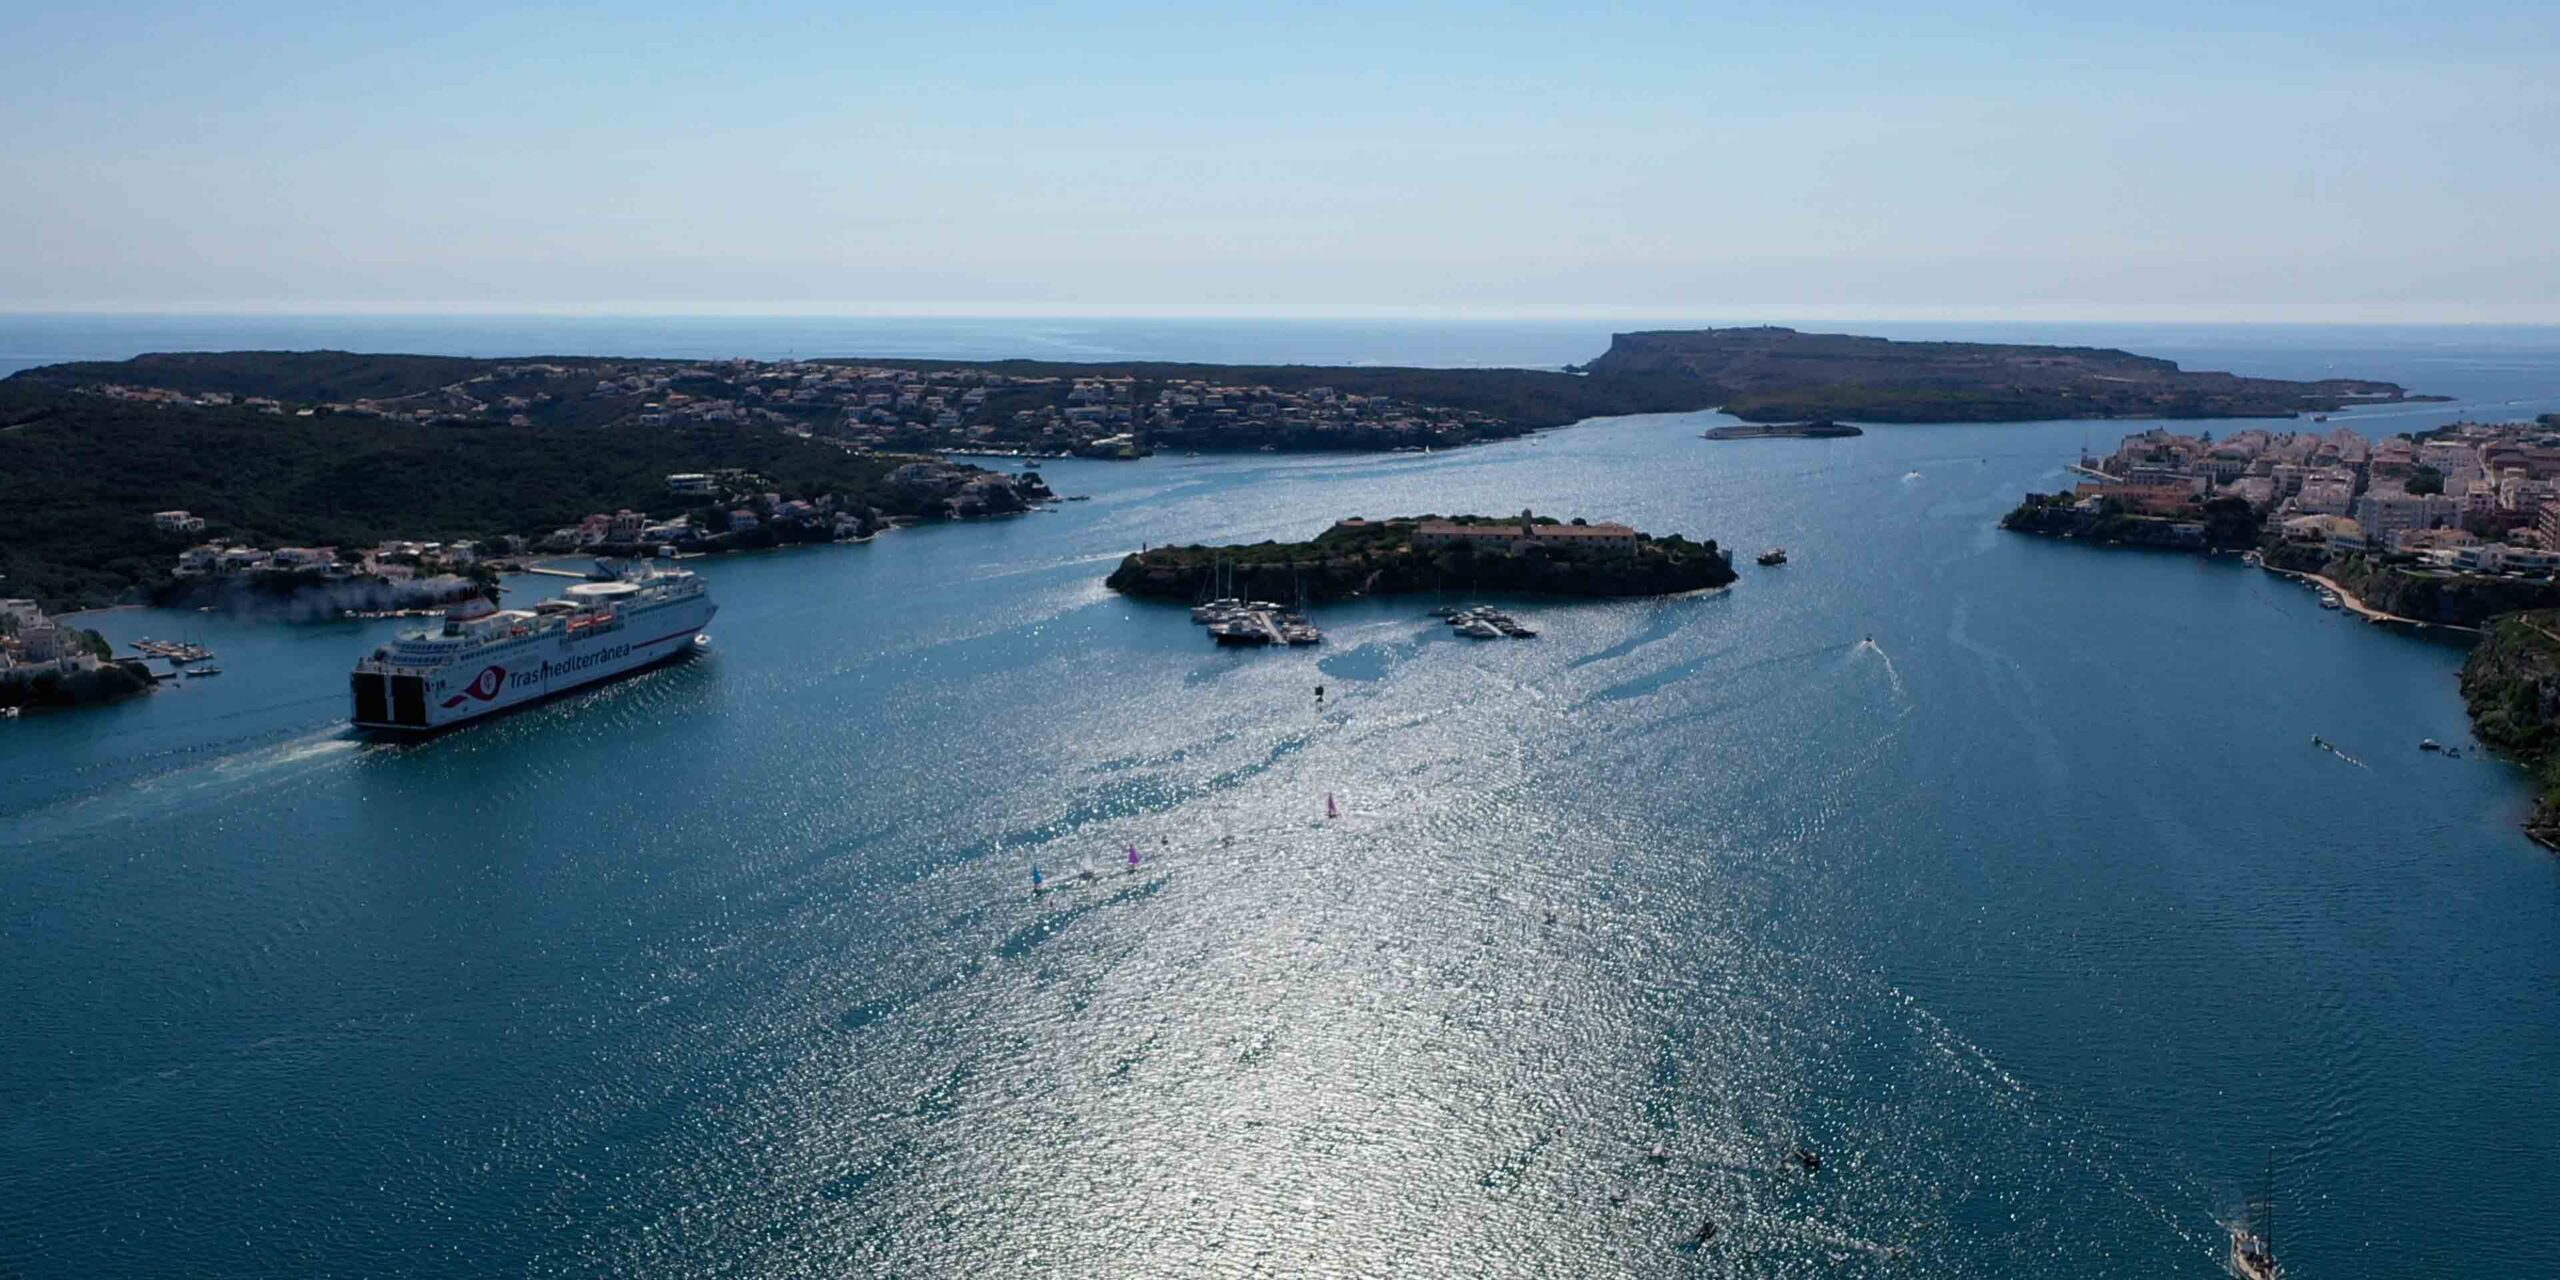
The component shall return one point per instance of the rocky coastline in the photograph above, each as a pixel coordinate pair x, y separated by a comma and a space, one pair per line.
2511, 684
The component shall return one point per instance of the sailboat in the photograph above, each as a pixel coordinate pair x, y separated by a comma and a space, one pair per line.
1036, 881
2253, 1237
1331, 810
1133, 857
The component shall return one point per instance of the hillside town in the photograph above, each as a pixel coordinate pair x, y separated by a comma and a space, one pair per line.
892, 409
2476, 497
704, 512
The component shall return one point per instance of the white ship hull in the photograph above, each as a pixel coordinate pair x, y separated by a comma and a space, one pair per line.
391, 695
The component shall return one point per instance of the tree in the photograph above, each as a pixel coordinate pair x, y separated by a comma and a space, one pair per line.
2426, 480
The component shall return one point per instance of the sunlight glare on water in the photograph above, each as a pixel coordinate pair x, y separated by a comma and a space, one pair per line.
1995, 872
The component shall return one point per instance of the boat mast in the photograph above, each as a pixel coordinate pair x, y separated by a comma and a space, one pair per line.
2269, 1240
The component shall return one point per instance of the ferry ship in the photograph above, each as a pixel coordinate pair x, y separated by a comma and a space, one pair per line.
485, 659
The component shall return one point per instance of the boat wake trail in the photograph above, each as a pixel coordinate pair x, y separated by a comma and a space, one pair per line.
2332, 748
1891, 673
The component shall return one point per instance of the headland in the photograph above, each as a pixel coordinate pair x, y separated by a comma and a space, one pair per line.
1770, 374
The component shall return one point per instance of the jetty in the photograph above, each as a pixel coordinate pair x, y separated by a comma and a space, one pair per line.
171, 650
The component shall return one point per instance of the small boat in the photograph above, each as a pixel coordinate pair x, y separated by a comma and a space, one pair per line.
1036, 881
1774, 555
1812, 1163
1331, 810
204, 671
2429, 744
2253, 1237
1479, 629
8, 713
2453, 753
1133, 857
1659, 1154
1706, 1232
1239, 632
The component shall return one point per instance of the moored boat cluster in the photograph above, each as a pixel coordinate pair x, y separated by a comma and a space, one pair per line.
1255, 622
1484, 622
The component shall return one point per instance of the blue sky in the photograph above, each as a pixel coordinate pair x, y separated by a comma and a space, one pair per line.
2179, 160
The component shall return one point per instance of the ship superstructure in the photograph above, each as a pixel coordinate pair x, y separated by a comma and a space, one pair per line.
485, 659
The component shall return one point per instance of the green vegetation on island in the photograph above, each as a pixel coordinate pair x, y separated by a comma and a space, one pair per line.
1514, 554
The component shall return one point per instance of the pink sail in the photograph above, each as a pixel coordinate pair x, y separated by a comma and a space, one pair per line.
1133, 857
1331, 810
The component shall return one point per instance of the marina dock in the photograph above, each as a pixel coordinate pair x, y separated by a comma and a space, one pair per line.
1255, 623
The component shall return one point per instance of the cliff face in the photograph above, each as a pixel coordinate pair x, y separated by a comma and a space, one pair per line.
2511, 683
2456, 599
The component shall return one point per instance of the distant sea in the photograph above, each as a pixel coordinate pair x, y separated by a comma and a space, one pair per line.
2419, 356
2001, 872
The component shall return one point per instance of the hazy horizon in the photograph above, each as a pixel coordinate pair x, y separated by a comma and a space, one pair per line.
2190, 162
